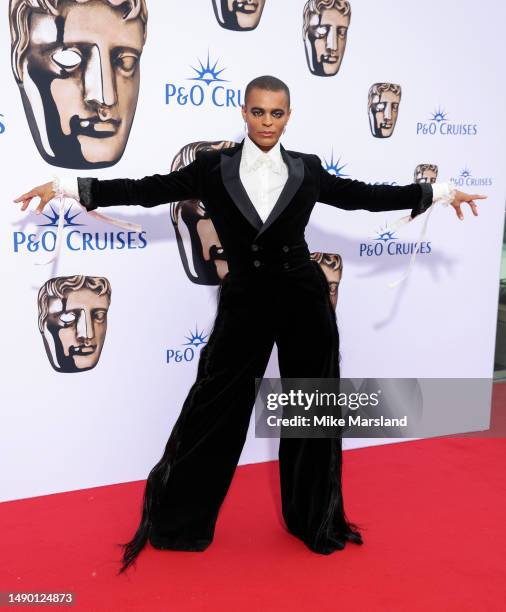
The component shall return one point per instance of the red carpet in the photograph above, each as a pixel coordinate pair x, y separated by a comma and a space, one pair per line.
433, 516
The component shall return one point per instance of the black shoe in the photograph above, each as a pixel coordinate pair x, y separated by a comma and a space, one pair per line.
165, 544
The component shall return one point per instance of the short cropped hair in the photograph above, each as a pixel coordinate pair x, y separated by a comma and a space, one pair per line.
268, 83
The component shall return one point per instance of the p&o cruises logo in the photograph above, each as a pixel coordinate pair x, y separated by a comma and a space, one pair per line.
466, 179
209, 87
75, 239
387, 243
195, 340
439, 123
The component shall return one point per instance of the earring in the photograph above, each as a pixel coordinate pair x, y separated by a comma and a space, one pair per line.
245, 127
284, 129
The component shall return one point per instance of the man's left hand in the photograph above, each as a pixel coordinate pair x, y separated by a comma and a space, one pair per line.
461, 197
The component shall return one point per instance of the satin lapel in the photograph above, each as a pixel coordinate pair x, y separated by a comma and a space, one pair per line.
231, 179
295, 167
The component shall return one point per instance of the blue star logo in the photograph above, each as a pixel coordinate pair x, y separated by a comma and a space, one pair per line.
208, 74
439, 115
333, 167
196, 338
54, 218
384, 235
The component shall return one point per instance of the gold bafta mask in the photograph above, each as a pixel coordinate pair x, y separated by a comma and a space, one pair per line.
73, 320
426, 173
200, 249
325, 31
77, 65
238, 15
332, 266
383, 108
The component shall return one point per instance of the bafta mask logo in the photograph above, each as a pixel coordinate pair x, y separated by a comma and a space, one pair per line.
200, 249
324, 31
77, 65
332, 266
426, 173
238, 15
73, 320
383, 108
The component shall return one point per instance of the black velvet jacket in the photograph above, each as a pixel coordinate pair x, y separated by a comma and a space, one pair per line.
247, 241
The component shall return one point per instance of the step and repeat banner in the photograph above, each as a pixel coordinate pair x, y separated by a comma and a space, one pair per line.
101, 340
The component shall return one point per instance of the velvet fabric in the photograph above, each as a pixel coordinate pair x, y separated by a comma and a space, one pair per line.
273, 293
186, 488
214, 179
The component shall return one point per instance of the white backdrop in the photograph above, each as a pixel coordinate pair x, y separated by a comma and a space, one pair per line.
107, 425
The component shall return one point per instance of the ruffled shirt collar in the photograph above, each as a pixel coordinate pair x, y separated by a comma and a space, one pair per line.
253, 157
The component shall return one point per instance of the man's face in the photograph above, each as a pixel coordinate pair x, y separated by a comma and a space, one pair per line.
326, 39
427, 175
74, 330
266, 114
383, 113
239, 14
81, 81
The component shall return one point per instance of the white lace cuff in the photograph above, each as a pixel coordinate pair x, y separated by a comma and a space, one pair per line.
66, 187
444, 192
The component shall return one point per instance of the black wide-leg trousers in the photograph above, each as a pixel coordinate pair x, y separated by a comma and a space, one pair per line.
186, 488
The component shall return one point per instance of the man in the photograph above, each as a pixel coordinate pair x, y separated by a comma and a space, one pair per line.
260, 198
383, 108
324, 31
73, 320
77, 67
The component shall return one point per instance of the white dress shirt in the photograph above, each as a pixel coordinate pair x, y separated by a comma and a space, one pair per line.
263, 175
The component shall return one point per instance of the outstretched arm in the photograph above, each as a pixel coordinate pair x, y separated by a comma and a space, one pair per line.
351, 194
184, 184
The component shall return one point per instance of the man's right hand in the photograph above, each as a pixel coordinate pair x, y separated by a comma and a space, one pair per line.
44, 192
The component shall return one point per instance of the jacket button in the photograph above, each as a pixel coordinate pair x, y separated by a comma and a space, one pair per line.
286, 265
254, 247
257, 263
285, 249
